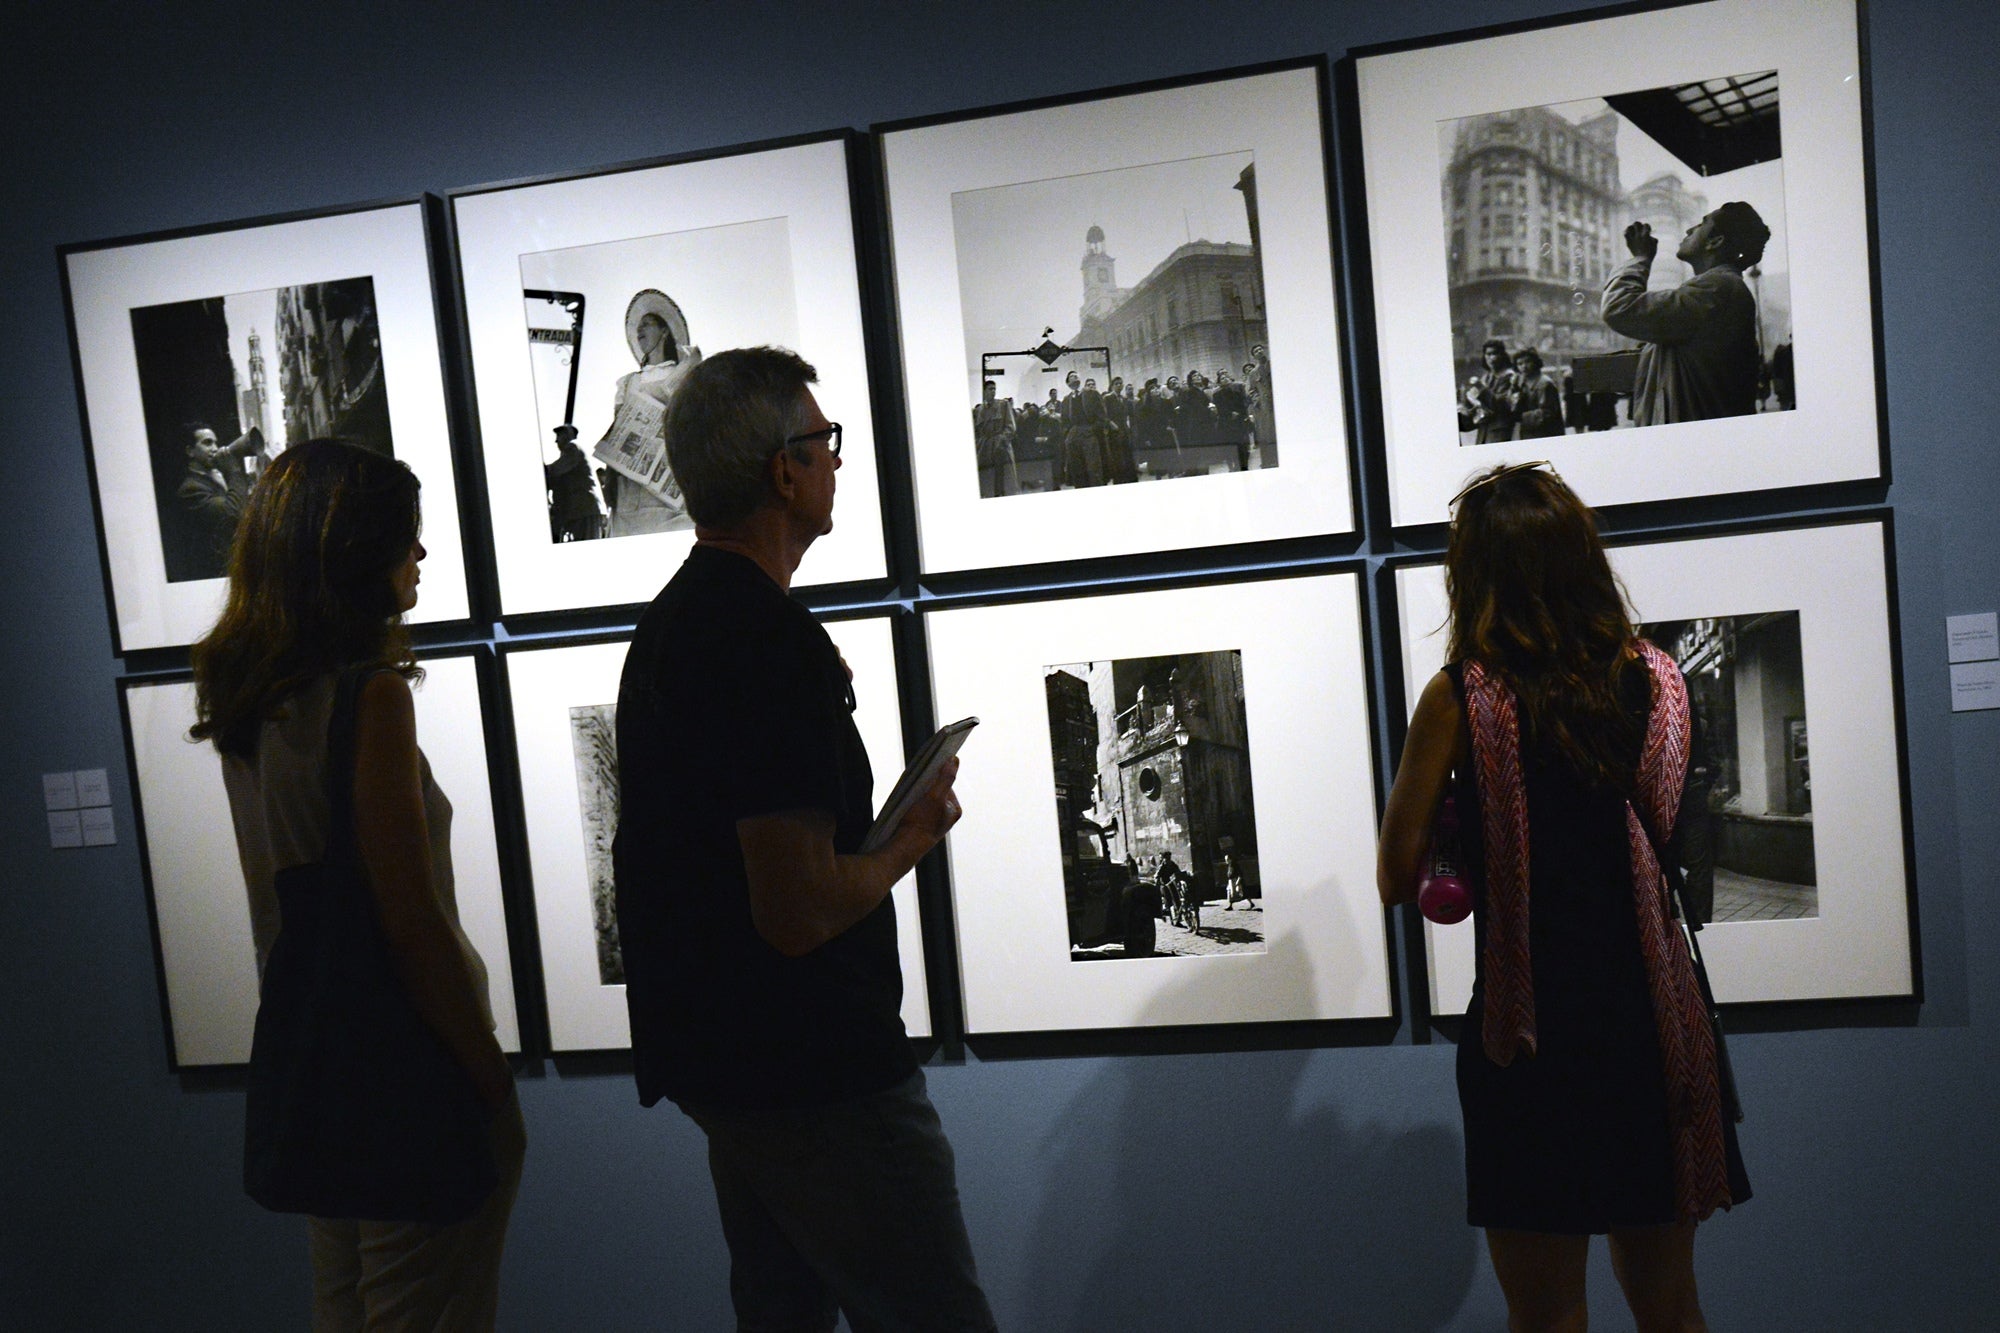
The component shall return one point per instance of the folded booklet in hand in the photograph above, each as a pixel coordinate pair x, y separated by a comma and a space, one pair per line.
917, 779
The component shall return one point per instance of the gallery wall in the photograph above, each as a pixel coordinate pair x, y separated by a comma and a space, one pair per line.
1232, 1181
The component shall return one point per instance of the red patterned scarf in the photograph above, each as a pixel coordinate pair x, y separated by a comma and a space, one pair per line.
1687, 1046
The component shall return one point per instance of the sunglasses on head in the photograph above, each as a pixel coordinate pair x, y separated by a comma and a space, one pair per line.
1498, 473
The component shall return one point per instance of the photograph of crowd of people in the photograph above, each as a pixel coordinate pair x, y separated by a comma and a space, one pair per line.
609, 341
1076, 381
217, 411
1158, 828
594, 740
1567, 317
1748, 853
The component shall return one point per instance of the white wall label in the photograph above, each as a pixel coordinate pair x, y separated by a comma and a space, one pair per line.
65, 828
1974, 686
1974, 638
93, 787
97, 827
59, 791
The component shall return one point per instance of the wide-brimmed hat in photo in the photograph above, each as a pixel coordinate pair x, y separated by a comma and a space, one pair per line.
653, 301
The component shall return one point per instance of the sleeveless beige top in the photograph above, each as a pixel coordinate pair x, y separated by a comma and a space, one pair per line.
279, 806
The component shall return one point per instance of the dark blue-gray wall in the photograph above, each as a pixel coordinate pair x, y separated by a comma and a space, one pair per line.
1290, 1189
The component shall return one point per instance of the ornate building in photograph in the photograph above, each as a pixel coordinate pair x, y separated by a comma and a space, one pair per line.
1200, 308
253, 401
1173, 760
1534, 215
330, 363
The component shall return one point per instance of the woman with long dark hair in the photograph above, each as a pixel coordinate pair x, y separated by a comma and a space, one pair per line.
323, 566
1586, 1069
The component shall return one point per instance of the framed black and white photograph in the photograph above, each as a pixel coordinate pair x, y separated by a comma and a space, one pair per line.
200, 908
1784, 636
565, 701
1653, 223
1112, 292
202, 356
1174, 788
589, 298
1150, 760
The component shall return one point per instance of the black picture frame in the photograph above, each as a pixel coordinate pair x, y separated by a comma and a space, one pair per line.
1324, 961
196, 903
744, 245
1530, 231
1859, 941
567, 870
348, 297
951, 187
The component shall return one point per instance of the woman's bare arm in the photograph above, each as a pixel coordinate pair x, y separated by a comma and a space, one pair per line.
393, 837
1437, 739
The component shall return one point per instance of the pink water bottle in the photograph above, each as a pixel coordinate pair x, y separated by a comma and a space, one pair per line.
1442, 895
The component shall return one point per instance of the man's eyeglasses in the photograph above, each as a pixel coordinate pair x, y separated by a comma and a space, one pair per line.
830, 433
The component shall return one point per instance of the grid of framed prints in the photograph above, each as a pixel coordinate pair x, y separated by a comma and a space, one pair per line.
1786, 637
1116, 318
201, 355
1171, 808
1503, 175
564, 700
1211, 363
588, 298
200, 908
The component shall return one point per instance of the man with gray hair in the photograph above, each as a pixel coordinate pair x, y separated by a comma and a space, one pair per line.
761, 967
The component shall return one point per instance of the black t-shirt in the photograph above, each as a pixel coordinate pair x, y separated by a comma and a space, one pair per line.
734, 703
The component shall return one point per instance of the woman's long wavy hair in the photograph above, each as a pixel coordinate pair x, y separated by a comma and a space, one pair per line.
310, 586
1534, 599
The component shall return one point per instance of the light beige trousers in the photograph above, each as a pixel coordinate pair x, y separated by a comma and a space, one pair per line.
415, 1277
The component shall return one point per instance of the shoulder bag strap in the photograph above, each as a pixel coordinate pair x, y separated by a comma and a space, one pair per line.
341, 726
1670, 869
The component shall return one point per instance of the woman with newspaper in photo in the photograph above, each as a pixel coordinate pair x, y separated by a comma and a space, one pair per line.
639, 487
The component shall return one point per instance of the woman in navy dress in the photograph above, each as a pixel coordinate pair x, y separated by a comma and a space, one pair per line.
1586, 1068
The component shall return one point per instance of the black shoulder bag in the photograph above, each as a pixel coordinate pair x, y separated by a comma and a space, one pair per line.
356, 1108
1670, 867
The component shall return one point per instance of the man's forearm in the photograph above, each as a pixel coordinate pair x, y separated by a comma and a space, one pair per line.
803, 893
